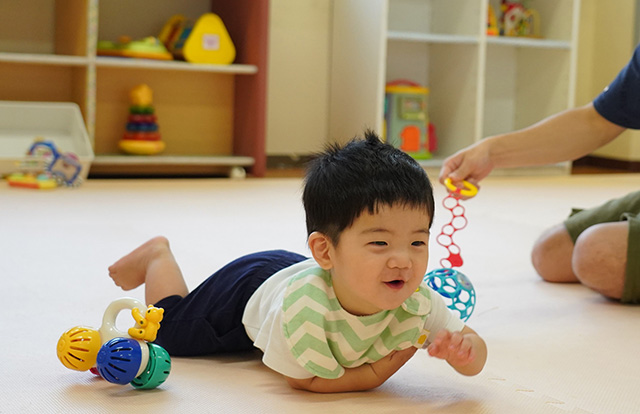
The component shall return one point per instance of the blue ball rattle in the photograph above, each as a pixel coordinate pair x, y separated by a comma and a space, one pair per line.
456, 289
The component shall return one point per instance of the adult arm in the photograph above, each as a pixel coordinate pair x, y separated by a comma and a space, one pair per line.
565, 136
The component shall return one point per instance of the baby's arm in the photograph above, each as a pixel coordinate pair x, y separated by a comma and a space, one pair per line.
465, 351
362, 378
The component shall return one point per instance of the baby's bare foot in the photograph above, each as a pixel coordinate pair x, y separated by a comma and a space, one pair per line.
130, 271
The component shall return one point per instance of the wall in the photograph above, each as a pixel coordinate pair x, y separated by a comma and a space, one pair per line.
299, 76
607, 39
326, 72
300, 50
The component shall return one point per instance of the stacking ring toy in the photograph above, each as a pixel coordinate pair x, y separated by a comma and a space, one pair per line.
469, 190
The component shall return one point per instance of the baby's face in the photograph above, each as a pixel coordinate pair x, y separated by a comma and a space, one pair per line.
381, 259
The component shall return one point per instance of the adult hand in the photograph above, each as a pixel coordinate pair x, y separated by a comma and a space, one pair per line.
471, 164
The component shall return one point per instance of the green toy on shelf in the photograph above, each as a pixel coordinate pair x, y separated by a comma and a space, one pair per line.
147, 48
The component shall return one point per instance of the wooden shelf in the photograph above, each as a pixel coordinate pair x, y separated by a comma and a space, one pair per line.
44, 59
149, 64
117, 164
219, 160
202, 109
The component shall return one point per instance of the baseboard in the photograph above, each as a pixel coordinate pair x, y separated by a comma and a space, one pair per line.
607, 163
288, 161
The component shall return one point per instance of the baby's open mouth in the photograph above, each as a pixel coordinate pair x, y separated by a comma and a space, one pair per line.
395, 284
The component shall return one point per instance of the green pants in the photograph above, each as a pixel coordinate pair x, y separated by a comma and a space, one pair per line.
623, 208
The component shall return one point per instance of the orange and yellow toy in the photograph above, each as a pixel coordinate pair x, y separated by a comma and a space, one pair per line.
141, 136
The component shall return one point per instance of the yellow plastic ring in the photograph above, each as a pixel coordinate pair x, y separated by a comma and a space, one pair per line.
469, 190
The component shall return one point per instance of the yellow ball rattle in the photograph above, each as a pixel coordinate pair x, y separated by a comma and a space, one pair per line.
78, 347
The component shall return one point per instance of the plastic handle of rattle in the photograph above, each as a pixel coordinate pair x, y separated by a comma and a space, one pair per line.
469, 190
144, 357
108, 329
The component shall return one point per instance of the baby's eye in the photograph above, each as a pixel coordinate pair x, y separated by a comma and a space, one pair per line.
418, 243
379, 243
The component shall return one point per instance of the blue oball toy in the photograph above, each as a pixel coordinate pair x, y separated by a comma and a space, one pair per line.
456, 289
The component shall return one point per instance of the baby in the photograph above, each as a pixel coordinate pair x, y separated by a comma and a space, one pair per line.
345, 319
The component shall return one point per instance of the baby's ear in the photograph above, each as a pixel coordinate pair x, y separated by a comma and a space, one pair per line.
320, 245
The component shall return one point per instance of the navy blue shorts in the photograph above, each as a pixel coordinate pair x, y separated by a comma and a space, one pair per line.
209, 319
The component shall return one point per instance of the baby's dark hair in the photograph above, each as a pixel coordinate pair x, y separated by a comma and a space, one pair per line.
344, 181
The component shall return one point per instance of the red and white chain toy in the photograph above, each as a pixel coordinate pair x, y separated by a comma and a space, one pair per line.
458, 222
452, 285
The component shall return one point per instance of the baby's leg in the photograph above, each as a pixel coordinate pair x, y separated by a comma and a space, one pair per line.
154, 265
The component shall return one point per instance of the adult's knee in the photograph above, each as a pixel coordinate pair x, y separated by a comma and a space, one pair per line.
600, 258
551, 255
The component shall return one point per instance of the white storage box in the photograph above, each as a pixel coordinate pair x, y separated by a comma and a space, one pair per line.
59, 122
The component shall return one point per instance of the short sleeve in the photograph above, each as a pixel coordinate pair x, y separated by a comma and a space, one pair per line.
441, 318
620, 101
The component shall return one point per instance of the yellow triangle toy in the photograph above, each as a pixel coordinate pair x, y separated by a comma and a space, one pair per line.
209, 42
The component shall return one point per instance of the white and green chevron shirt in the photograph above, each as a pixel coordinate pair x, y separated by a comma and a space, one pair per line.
297, 321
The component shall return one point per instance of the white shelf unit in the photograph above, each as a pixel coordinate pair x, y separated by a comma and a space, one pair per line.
479, 85
210, 116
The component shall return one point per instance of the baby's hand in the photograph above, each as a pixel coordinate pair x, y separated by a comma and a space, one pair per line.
454, 347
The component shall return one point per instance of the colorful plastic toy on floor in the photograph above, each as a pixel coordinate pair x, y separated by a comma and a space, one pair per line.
114, 355
141, 136
453, 285
41, 181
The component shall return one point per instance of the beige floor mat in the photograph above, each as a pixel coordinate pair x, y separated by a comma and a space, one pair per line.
552, 348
